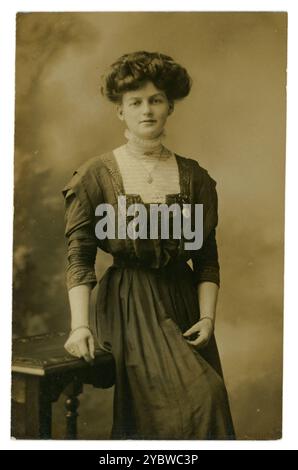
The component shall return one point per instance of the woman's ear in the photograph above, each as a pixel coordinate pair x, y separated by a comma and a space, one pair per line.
120, 112
171, 107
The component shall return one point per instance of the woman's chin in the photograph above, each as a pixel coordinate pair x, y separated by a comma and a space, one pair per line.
148, 135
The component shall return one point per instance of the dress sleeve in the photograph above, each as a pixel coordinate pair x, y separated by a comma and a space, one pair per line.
79, 231
205, 260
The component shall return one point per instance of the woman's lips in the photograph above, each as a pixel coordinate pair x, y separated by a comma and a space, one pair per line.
149, 121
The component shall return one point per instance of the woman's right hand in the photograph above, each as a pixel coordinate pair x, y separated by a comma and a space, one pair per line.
80, 343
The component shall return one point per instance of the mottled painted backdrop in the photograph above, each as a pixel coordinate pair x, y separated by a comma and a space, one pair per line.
233, 123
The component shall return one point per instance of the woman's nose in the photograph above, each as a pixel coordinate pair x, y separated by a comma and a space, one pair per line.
147, 108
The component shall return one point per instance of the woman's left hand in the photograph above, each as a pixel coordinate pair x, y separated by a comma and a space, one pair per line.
200, 333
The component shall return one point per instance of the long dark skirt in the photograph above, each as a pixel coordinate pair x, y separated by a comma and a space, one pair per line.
164, 387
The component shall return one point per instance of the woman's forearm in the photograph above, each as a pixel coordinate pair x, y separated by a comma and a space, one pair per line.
207, 294
79, 298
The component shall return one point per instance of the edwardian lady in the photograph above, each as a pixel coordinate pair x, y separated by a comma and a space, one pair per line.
150, 309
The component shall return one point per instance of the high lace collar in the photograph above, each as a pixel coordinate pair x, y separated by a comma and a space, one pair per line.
139, 147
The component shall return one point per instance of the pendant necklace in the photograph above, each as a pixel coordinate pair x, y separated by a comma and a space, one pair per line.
149, 177
140, 148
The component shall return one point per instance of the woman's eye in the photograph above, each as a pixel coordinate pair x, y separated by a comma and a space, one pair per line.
134, 103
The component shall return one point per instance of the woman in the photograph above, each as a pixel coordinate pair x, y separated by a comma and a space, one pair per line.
152, 311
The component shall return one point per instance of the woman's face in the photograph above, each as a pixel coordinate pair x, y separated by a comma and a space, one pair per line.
145, 111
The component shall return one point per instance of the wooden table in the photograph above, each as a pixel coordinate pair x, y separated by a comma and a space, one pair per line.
41, 371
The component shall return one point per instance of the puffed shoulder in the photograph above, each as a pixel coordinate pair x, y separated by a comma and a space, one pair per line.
85, 184
200, 174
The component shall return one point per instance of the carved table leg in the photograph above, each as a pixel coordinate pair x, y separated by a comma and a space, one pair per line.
71, 404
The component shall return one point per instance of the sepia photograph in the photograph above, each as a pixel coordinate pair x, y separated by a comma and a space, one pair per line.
149, 208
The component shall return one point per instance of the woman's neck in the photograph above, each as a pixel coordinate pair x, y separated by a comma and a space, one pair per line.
141, 146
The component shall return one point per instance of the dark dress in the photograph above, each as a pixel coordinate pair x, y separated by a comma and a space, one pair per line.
164, 387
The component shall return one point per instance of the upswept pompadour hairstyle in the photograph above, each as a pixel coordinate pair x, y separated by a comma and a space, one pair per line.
132, 70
